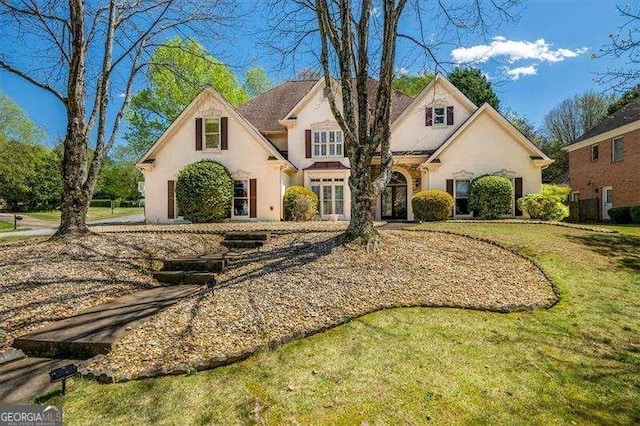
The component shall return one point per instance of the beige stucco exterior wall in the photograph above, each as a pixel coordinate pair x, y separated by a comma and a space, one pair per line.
246, 158
485, 147
315, 114
410, 133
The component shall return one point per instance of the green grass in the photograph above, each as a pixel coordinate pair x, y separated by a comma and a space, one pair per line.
94, 213
578, 362
623, 229
4, 225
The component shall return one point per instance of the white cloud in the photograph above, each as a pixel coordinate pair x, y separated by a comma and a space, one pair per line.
402, 71
538, 50
516, 73
121, 95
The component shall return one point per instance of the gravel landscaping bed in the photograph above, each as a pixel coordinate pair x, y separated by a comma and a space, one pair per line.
304, 283
222, 227
47, 281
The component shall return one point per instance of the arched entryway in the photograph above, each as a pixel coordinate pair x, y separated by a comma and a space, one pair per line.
394, 198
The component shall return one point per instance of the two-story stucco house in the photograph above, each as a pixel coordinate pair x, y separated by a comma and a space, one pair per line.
288, 136
604, 163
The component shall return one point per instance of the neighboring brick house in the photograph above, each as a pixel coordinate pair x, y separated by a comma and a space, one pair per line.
604, 163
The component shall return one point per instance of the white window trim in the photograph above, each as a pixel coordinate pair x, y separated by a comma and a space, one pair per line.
444, 116
204, 134
613, 149
333, 182
455, 196
248, 198
328, 144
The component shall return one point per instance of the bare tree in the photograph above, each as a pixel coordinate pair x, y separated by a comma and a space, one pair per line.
357, 40
87, 55
623, 45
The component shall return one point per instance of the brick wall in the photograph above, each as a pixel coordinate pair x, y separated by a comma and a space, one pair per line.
588, 177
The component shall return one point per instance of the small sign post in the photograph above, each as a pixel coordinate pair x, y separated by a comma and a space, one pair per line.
62, 374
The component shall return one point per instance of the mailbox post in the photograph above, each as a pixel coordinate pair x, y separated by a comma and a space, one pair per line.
16, 219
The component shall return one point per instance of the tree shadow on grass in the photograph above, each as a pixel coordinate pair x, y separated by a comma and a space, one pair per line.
624, 249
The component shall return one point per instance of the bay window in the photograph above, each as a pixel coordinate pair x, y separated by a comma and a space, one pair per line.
330, 193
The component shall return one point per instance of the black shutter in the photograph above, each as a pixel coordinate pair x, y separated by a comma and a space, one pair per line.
428, 119
518, 193
198, 134
450, 186
253, 205
171, 203
224, 133
307, 143
449, 116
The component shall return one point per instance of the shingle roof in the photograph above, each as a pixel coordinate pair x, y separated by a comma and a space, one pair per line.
326, 165
265, 110
625, 115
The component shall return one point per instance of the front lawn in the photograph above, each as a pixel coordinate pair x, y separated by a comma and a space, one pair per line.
578, 362
94, 213
4, 225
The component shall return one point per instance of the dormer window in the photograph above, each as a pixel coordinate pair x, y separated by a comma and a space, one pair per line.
439, 116
211, 133
327, 143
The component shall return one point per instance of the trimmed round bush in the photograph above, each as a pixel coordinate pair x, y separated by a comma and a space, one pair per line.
635, 214
490, 196
432, 205
620, 215
300, 204
543, 207
204, 191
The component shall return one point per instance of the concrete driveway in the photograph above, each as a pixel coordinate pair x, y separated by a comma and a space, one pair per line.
43, 227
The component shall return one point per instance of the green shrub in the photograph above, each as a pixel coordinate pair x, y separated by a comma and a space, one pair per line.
559, 192
620, 215
104, 203
204, 191
129, 203
635, 214
300, 204
490, 196
543, 207
432, 205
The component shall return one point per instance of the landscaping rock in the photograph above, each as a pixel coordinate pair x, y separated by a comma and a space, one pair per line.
305, 283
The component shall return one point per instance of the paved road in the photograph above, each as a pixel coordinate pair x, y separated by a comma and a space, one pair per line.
49, 230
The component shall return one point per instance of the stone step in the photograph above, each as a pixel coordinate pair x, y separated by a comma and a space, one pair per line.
247, 236
201, 264
242, 244
183, 277
93, 332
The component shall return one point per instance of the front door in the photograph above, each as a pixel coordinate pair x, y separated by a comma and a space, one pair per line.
607, 201
394, 198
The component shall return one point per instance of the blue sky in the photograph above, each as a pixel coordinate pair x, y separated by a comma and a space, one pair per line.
547, 72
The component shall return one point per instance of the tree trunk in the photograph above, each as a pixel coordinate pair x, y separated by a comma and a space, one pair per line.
363, 200
75, 199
